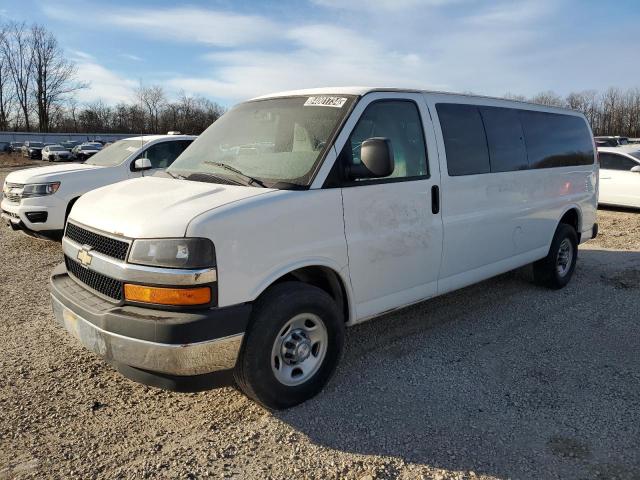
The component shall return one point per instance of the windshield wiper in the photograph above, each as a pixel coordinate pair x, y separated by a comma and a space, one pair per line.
250, 180
177, 175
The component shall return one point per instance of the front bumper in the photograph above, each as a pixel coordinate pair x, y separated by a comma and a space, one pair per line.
15, 214
176, 343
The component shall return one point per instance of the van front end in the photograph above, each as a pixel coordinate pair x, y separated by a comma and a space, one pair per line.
148, 307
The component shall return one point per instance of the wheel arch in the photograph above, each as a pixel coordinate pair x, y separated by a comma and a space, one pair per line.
319, 274
572, 216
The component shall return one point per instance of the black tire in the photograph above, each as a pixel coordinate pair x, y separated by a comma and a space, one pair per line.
254, 374
546, 272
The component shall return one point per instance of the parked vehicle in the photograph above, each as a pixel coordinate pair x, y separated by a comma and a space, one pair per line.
5, 147
611, 141
38, 200
620, 176
86, 150
297, 214
32, 150
16, 146
70, 144
55, 153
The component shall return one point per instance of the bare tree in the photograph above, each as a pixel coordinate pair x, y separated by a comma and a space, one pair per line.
7, 95
549, 98
17, 50
53, 75
152, 99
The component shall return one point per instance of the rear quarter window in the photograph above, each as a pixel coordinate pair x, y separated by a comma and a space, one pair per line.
556, 140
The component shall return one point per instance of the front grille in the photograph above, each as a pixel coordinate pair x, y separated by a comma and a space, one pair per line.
11, 214
100, 243
107, 286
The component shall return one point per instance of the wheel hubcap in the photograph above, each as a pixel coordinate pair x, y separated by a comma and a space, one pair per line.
299, 349
565, 257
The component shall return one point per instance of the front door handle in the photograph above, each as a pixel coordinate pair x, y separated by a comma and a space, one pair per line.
435, 199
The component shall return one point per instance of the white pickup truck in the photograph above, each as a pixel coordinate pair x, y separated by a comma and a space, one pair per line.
300, 213
38, 200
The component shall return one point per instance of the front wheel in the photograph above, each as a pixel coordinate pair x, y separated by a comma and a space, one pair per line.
292, 345
556, 269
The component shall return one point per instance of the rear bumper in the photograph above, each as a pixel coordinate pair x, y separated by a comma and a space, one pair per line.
170, 343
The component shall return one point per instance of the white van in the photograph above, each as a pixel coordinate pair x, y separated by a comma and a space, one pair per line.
38, 200
297, 214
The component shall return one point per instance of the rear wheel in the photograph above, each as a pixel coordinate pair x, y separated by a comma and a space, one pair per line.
556, 269
292, 345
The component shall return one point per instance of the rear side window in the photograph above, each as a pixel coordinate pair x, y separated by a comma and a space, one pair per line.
464, 139
611, 161
507, 151
555, 140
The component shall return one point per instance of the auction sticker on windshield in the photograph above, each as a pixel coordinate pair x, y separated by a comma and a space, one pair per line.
336, 102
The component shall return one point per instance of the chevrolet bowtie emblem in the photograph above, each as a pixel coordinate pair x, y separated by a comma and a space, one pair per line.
85, 256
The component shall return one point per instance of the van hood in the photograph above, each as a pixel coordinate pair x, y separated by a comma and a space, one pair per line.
51, 173
154, 207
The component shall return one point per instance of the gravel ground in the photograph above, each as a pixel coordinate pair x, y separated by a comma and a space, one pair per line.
499, 380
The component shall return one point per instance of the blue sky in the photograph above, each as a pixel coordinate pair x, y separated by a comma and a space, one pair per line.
232, 50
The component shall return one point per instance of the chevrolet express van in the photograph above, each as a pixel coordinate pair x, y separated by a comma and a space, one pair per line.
297, 214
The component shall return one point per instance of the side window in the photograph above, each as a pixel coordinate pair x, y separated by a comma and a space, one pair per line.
464, 137
555, 140
611, 161
399, 121
505, 138
163, 154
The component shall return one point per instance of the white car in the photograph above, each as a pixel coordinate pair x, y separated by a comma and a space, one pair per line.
620, 176
38, 200
55, 153
298, 214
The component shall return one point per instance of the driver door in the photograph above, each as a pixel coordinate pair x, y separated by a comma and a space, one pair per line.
393, 225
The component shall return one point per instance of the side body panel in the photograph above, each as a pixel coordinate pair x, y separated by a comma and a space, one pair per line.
619, 187
495, 222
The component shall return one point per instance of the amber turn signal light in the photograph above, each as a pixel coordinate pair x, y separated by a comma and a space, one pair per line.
167, 296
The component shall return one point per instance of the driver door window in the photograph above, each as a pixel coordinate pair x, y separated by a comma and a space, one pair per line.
163, 154
399, 121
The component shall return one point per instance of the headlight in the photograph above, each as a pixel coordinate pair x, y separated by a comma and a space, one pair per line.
174, 253
40, 189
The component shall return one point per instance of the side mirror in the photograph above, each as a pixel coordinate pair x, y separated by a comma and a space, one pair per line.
141, 164
636, 169
376, 156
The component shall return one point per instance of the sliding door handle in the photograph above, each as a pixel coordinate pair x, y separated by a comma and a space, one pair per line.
435, 199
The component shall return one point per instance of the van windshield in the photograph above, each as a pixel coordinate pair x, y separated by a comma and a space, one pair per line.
278, 140
114, 154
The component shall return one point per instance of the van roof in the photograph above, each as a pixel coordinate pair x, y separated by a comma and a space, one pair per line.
360, 91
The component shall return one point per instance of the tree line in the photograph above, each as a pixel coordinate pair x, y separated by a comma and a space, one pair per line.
39, 83
39, 86
612, 112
